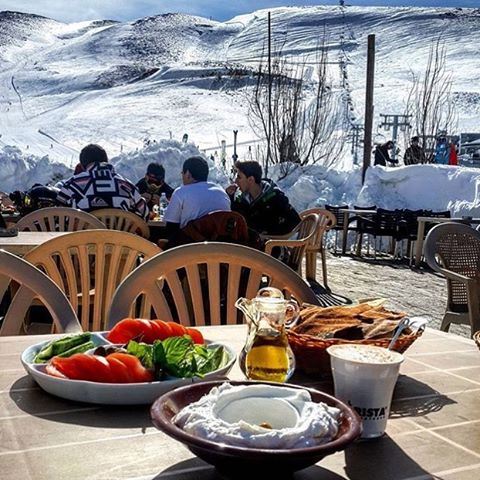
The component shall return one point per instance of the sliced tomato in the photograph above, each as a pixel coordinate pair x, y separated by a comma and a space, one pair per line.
129, 329
120, 372
196, 335
178, 330
83, 367
138, 373
163, 328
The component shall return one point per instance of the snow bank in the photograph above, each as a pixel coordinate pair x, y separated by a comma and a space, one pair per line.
20, 171
434, 187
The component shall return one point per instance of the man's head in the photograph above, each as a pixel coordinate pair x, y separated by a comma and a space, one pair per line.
195, 169
155, 174
414, 140
248, 174
390, 145
92, 154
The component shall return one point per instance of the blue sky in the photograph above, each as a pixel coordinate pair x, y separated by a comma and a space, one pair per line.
77, 10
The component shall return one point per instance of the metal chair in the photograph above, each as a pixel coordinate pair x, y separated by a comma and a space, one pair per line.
58, 219
88, 266
118, 219
453, 249
326, 221
198, 284
32, 279
340, 221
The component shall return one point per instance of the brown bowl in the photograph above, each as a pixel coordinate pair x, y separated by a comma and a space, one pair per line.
229, 458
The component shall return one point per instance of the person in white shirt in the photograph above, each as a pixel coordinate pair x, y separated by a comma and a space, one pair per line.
195, 198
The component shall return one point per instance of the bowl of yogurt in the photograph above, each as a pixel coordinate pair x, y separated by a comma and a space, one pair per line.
267, 426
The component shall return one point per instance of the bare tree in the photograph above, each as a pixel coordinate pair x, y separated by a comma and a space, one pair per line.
430, 101
305, 112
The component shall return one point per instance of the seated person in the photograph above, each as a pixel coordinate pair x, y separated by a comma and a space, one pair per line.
99, 186
153, 185
195, 198
265, 207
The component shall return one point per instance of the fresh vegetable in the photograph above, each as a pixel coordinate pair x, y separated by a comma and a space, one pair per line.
148, 331
178, 356
65, 346
114, 368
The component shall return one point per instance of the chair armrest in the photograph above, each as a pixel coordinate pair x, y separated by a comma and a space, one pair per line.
455, 276
270, 244
267, 237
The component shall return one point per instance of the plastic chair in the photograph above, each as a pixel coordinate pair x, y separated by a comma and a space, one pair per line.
296, 242
58, 219
198, 284
326, 221
88, 266
33, 280
453, 249
118, 219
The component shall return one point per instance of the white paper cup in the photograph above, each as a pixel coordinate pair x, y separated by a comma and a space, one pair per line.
364, 377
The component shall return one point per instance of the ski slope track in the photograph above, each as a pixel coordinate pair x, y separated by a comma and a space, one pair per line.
123, 84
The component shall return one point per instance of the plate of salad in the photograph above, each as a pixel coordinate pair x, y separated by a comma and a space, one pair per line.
134, 363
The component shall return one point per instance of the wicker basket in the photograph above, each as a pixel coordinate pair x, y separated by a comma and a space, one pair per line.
476, 337
311, 353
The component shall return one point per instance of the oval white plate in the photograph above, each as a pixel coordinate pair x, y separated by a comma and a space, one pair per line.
112, 393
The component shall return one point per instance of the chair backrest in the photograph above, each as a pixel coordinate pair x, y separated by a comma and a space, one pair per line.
31, 278
88, 266
340, 216
218, 226
326, 220
454, 247
118, 219
199, 283
304, 233
58, 219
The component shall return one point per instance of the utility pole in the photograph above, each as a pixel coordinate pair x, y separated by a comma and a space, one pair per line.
395, 121
367, 138
269, 152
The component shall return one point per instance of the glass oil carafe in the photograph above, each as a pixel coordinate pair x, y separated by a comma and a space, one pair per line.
266, 354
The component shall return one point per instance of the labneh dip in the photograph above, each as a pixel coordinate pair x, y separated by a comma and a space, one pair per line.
260, 416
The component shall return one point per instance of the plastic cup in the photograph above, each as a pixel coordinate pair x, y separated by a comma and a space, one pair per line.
364, 377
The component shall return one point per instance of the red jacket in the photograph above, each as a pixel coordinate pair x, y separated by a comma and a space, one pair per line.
452, 156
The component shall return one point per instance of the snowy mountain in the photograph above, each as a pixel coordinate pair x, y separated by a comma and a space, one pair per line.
119, 84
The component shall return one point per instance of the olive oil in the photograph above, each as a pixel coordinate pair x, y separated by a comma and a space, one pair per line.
267, 358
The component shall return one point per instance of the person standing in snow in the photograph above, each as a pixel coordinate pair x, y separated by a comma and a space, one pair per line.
152, 185
442, 151
265, 207
99, 186
382, 154
414, 154
452, 156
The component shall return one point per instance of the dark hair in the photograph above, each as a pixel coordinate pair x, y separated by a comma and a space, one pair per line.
93, 154
198, 168
156, 170
389, 144
415, 139
250, 169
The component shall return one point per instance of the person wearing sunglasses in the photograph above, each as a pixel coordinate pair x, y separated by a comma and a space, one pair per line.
152, 185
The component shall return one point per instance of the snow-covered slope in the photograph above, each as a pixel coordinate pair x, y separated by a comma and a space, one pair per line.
118, 84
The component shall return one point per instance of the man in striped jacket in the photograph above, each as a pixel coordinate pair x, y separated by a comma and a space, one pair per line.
99, 186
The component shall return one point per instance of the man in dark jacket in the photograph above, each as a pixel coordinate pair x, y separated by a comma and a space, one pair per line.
152, 185
265, 207
382, 154
414, 153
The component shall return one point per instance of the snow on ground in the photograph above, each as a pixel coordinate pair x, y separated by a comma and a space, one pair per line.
121, 84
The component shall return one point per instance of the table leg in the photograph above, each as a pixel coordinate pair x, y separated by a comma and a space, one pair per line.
419, 243
345, 232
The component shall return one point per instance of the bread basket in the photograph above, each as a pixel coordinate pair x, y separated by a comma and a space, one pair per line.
311, 351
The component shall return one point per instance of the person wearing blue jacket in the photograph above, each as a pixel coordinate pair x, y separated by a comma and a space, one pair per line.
442, 151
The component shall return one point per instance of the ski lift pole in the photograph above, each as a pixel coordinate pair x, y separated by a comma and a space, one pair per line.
235, 156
